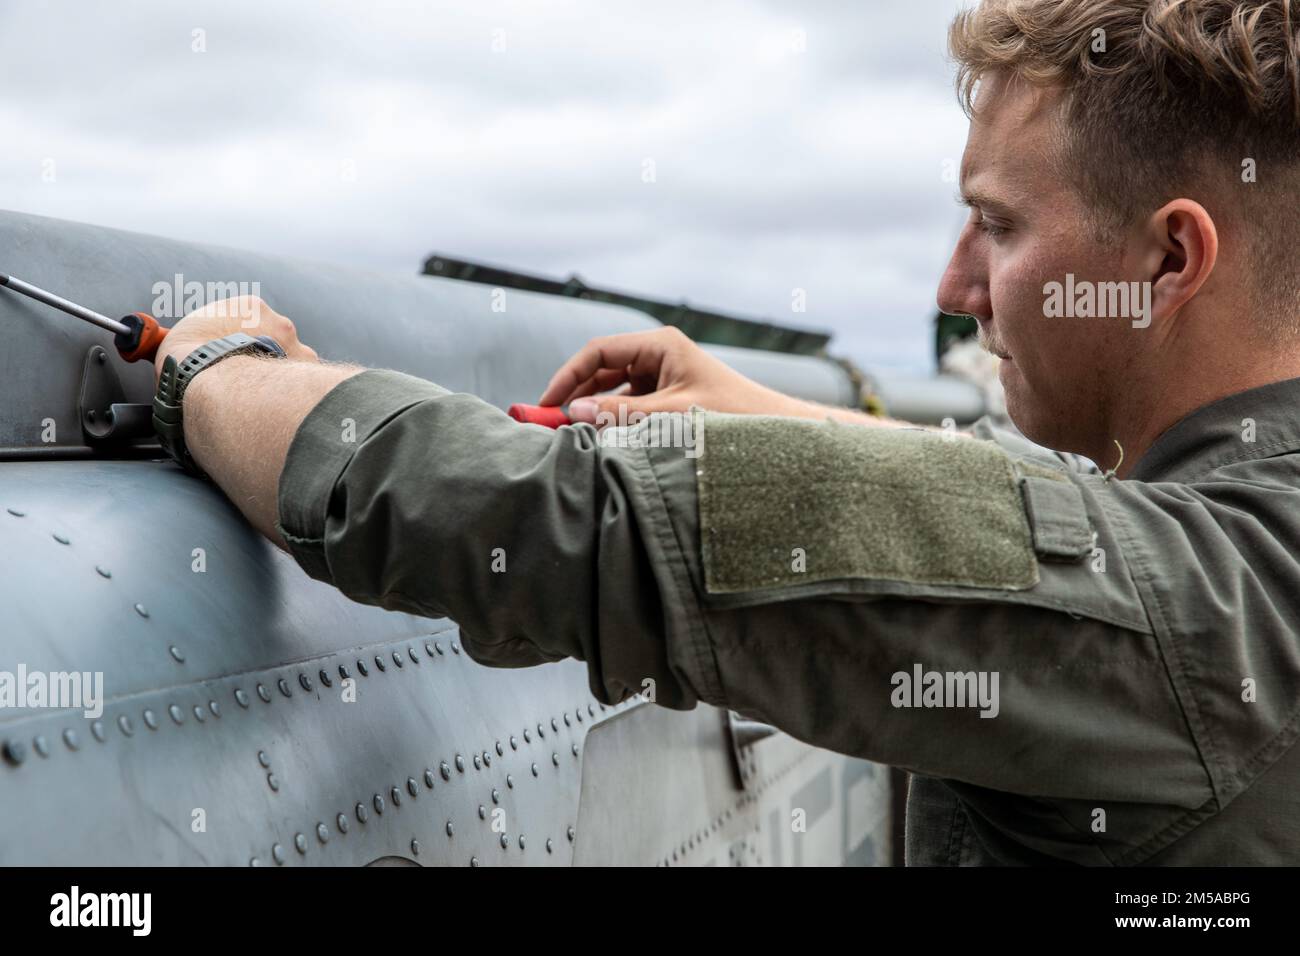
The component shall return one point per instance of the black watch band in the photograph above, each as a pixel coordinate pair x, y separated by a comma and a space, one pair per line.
168, 420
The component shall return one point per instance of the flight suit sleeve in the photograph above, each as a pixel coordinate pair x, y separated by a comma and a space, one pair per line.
934, 603
540, 544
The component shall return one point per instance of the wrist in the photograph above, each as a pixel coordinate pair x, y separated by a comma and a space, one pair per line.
220, 375
788, 406
175, 379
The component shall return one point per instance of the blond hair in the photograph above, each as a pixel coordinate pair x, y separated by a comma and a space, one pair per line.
1165, 98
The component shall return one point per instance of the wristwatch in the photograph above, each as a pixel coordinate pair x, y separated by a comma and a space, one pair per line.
168, 420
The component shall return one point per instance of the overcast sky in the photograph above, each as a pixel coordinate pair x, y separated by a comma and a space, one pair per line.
791, 145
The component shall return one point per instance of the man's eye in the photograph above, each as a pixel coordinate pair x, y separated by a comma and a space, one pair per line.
978, 220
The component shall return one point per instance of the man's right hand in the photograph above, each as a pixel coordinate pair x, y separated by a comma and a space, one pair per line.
659, 371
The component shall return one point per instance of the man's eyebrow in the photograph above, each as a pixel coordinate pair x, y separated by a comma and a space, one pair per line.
984, 201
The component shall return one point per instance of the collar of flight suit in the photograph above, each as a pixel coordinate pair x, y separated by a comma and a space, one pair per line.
1258, 423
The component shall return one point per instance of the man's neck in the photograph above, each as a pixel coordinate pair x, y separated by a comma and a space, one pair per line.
1147, 413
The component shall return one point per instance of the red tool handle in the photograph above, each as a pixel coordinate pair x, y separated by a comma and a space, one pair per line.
141, 340
552, 416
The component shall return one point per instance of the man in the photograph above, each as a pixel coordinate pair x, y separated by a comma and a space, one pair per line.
1080, 666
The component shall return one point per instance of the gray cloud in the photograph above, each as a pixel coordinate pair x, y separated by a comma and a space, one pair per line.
794, 146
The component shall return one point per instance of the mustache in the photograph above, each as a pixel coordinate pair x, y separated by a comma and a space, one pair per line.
991, 343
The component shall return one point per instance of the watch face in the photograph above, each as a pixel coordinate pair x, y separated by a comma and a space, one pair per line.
272, 346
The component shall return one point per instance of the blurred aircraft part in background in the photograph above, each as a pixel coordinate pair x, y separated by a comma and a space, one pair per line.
703, 326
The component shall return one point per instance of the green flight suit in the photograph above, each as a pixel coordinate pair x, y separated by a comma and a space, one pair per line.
1143, 633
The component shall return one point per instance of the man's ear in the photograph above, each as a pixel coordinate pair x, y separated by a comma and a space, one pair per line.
1184, 246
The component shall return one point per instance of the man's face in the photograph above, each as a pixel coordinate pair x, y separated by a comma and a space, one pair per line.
1028, 228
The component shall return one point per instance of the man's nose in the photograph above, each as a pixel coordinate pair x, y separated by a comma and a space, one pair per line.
964, 288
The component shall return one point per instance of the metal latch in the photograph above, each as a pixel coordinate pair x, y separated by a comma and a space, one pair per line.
745, 733
106, 417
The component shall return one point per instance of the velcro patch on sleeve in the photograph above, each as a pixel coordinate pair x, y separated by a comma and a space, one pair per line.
785, 502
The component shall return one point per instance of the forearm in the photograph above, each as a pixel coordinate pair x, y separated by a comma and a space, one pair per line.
849, 416
241, 416
789, 407
758, 399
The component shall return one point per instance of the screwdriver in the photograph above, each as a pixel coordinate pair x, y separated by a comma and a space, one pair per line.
137, 336
552, 416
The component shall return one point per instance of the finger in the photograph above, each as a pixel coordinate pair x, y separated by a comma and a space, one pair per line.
617, 409
602, 381
633, 351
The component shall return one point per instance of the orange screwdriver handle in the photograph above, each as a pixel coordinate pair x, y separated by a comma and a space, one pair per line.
141, 340
552, 416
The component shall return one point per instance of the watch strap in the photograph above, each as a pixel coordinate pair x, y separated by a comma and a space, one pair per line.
167, 418
210, 353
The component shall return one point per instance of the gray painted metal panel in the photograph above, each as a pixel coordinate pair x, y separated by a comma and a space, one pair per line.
225, 699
